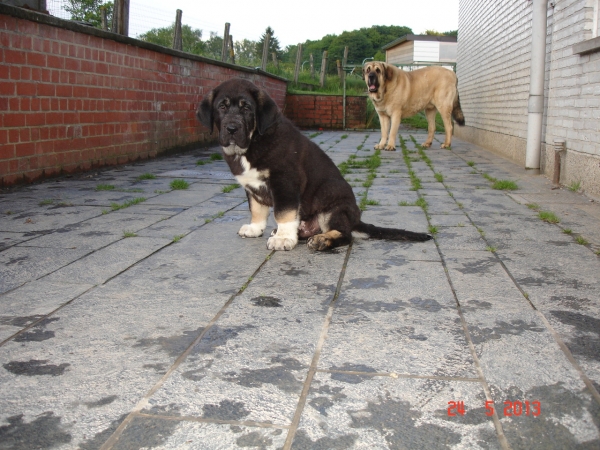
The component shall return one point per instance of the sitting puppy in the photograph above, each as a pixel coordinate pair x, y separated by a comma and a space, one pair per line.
280, 167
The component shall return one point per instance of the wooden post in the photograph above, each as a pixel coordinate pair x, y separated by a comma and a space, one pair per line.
120, 24
344, 62
231, 50
338, 63
323, 68
177, 40
104, 13
298, 63
224, 52
312, 66
265, 54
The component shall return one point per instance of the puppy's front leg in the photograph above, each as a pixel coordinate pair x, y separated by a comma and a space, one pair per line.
260, 214
286, 236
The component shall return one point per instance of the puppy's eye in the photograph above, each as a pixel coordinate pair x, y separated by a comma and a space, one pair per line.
222, 106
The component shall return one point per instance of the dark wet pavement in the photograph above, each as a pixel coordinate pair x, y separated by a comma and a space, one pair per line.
155, 326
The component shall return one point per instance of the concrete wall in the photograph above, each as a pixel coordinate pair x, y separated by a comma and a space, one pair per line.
74, 97
493, 66
325, 111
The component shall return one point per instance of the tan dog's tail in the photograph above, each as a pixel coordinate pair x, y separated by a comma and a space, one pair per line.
457, 113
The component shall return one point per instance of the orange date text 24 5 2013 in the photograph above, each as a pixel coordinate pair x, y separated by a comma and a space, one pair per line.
514, 408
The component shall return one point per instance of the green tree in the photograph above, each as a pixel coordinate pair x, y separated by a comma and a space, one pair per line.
213, 46
89, 11
273, 43
191, 38
245, 53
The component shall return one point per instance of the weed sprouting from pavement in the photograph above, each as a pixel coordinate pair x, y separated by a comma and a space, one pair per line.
179, 184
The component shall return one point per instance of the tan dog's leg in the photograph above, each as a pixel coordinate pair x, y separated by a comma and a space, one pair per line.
384, 120
430, 114
391, 144
446, 114
260, 214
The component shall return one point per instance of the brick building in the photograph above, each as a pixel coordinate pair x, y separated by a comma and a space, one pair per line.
493, 68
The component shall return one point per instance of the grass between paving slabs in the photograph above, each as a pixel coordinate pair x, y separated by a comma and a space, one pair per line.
179, 184
230, 187
415, 181
214, 216
146, 176
548, 216
371, 163
127, 204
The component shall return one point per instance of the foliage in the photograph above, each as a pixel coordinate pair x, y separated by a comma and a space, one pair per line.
191, 38
89, 11
273, 44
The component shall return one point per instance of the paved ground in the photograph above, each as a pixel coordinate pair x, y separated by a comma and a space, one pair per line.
186, 336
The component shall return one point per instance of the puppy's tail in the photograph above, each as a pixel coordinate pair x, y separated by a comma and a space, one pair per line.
366, 230
457, 113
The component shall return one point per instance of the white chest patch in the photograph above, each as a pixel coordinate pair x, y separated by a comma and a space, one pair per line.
251, 177
234, 150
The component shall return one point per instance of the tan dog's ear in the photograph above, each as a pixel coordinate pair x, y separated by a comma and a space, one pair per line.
363, 72
389, 71
267, 112
205, 111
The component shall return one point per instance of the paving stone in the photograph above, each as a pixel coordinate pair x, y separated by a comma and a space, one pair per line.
199, 338
360, 411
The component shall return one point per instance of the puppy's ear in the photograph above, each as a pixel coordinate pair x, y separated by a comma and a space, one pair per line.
266, 112
389, 71
363, 73
205, 111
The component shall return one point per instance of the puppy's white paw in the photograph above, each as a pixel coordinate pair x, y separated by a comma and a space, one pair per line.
251, 230
281, 243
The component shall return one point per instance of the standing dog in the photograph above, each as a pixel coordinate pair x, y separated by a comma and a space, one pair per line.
397, 94
280, 167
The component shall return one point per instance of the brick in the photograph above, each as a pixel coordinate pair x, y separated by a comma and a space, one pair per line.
16, 57
7, 88
36, 59
35, 119
13, 120
28, 89
25, 149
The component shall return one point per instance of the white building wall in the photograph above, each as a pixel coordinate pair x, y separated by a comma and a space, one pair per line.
427, 51
494, 46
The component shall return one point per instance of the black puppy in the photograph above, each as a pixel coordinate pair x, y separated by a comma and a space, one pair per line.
280, 167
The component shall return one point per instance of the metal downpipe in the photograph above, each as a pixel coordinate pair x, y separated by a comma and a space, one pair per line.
536, 84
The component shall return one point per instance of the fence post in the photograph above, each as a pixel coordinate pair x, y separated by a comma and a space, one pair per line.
120, 23
312, 66
177, 40
344, 62
104, 13
231, 50
298, 63
323, 68
265, 54
224, 52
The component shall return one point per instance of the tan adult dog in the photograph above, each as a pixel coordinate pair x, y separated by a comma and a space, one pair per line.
397, 94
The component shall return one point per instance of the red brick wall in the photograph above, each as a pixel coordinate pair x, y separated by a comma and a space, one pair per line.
325, 111
73, 97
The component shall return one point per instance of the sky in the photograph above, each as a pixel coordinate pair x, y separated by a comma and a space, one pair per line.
293, 22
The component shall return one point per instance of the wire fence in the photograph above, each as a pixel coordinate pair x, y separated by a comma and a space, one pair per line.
143, 18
